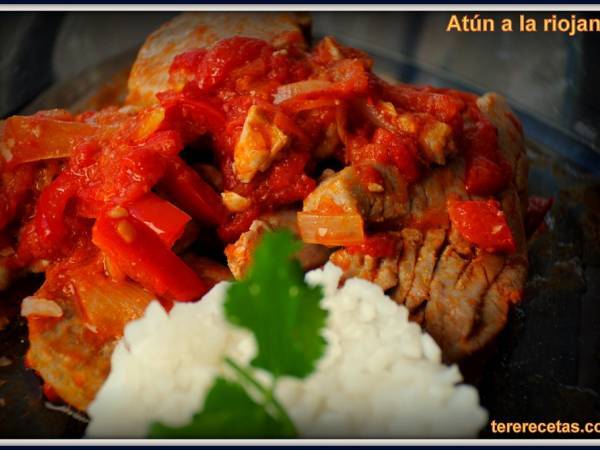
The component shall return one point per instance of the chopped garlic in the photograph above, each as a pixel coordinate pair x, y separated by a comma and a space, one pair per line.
235, 202
36, 306
5, 152
375, 187
332, 49
126, 231
118, 212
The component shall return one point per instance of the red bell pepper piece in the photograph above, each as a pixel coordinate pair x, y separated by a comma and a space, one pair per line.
49, 216
144, 257
191, 193
162, 217
483, 223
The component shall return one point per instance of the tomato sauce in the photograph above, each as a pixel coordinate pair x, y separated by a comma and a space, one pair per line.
109, 200
380, 245
483, 223
110, 159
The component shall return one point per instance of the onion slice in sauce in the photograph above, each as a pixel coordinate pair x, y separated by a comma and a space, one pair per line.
373, 115
331, 230
291, 90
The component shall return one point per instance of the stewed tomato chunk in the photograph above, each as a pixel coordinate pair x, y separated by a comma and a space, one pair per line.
483, 223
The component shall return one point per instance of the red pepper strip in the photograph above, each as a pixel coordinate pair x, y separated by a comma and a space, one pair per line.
537, 209
483, 223
49, 216
191, 193
144, 257
162, 217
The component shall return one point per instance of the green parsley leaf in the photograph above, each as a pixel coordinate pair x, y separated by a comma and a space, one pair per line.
279, 308
229, 412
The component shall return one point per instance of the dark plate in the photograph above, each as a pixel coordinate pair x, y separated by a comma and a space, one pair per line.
546, 364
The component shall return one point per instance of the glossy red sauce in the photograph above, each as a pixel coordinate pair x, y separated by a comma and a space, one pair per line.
380, 245
113, 158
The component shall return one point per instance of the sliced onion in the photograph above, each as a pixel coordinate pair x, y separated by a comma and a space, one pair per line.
341, 121
108, 305
36, 306
291, 90
331, 230
375, 116
35, 138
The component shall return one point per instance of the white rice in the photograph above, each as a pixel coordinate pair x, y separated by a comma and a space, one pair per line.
380, 377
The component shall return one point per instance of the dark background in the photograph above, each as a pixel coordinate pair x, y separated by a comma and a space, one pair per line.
551, 75
546, 365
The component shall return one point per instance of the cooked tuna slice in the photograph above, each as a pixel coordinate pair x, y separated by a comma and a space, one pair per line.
75, 327
459, 293
412, 239
239, 254
68, 357
200, 30
428, 196
471, 290
383, 199
425, 264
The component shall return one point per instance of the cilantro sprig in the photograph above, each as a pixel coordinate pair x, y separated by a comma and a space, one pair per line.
285, 316
280, 309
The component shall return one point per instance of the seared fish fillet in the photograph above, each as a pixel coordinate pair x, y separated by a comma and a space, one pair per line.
190, 31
